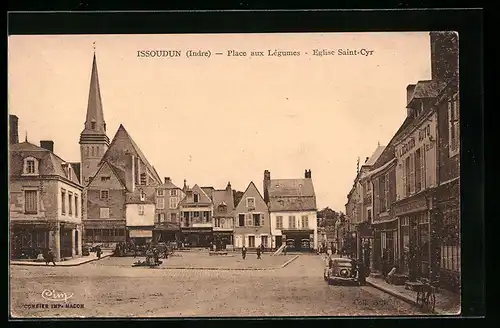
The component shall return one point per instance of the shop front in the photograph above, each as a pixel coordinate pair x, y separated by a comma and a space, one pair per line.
385, 243
166, 233
414, 216
140, 235
197, 237
299, 240
222, 239
104, 231
27, 238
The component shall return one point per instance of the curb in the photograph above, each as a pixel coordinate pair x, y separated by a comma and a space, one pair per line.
232, 269
62, 263
401, 297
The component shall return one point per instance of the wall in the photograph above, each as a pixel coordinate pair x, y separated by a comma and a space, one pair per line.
298, 216
260, 207
449, 167
423, 137
134, 219
89, 165
76, 191
47, 199
167, 211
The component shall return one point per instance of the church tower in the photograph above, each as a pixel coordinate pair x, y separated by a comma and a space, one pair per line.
93, 140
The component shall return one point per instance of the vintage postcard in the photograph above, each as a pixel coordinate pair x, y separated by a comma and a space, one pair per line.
234, 175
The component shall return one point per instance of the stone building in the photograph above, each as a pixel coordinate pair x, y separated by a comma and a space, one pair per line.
293, 211
196, 217
223, 217
45, 202
167, 222
252, 223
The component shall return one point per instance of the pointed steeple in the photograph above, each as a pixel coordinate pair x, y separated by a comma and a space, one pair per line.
95, 126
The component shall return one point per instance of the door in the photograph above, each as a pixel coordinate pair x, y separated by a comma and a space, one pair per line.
76, 242
279, 241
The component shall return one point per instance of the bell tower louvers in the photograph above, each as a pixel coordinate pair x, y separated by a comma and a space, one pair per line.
93, 140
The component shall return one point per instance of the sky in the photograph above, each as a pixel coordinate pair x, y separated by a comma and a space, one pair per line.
211, 120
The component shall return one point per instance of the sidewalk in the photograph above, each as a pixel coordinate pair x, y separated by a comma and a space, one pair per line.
447, 303
69, 263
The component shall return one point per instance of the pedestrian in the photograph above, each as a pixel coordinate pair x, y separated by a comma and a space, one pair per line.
98, 252
329, 252
262, 248
385, 260
361, 273
244, 252
258, 253
49, 257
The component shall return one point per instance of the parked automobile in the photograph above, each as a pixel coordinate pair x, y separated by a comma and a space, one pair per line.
340, 270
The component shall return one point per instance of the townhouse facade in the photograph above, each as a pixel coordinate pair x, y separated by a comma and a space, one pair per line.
196, 210
252, 224
223, 217
168, 215
45, 202
293, 211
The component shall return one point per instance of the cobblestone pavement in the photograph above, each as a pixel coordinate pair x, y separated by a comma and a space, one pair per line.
111, 287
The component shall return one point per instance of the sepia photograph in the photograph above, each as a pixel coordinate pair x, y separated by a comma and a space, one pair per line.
234, 175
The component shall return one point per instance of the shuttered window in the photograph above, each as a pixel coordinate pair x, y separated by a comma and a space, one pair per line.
248, 220
291, 222
386, 191
305, 221
262, 220
412, 174
279, 222
30, 202
376, 195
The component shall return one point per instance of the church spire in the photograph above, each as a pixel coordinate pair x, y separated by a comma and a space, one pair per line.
95, 125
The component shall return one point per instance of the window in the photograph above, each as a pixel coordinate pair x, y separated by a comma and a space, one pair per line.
262, 220
256, 220
143, 196
104, 213
92, 151
70, 204
195, 198
291, 222
382, 194
30, 166
250, 202
92, 125
30, 202
63, 202
141, 209
196, 214
143, 179
249, 221
76, 205
264, 241
279, 222
160, 203
369, 215
418, 171
159, 192
454, 125
423, 175
386, 191
105, 179
174, 202
160, 217
173, 217
173, 192
305, 221
104, 194
412, 174
251, 241
406, 176
222, 208
241, 220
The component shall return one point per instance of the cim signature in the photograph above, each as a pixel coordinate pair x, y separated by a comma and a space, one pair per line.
55, 296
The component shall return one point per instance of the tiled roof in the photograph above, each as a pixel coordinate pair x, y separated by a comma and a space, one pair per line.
123, 142
291, 187
169, 185
76, 168
376, 154
49, 164
427, 89
223, 197
292, 203
209, 191
203, 198
135, 196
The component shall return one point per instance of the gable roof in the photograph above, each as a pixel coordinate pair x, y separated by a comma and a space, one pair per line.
373, 158
119, 173
427, 89
291, 187
76, 168
246, 190
209, 191
49, 164
202, 198
223, 197
122, 143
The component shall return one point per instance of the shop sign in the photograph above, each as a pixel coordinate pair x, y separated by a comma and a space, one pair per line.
410, 207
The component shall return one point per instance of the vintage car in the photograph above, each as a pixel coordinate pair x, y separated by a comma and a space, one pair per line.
85, 250
340, 270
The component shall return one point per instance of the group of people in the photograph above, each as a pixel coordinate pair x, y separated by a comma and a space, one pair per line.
259, 250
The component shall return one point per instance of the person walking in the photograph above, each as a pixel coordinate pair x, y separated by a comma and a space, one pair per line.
244, 252
258, 253
98, 252
49, 257
262, 248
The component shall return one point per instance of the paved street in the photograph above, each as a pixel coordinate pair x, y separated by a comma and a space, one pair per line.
111, 287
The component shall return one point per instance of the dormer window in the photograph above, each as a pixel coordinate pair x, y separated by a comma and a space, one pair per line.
250, 202
222, 208
30, 166
195, 198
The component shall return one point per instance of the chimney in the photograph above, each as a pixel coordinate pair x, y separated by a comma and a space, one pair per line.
167, 179
47, 144
309, 174
185, 185
366, 159
13, 129
228, 187
267, 181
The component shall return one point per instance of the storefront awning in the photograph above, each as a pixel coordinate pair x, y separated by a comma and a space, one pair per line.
141, 234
